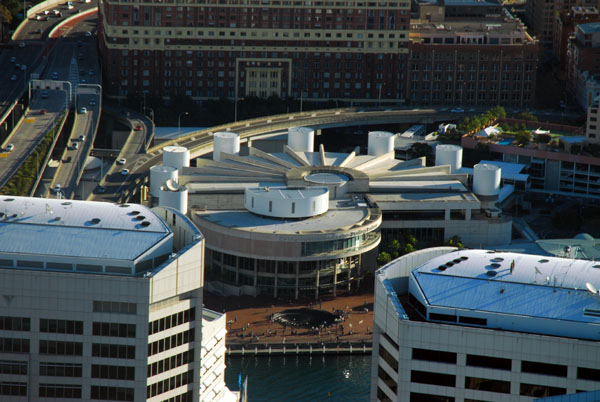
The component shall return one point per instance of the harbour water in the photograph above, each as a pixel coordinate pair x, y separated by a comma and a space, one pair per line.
302, 378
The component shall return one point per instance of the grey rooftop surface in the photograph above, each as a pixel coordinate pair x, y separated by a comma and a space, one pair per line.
341, 213
53, 227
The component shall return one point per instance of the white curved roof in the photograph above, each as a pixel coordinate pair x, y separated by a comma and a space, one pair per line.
69, 228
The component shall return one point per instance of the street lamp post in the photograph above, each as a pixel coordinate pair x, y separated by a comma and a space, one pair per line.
179, 121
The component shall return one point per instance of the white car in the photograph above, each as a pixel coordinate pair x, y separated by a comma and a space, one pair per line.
9, 147
125, 172
458, 110
121, 161
13, 77
83, 110
82, 138
88, 33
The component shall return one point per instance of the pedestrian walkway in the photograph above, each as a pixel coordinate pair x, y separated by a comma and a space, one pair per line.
249, 320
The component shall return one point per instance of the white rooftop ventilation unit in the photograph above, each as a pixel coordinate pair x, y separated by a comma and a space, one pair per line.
227, 142
301, 139
176, 156
447, 154
380, 143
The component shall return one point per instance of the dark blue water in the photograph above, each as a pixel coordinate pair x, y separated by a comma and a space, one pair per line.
302, 378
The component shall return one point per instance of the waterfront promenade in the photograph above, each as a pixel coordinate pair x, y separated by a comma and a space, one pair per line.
249, 323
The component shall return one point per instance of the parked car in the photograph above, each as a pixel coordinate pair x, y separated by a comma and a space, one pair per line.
124, 172
9, 147
138, 127
458, 110
83, 110
121, 161
13, 77
56, 188
92, 102
13, 59
82, 138
101, 190
67, 159
22, 44
75, 145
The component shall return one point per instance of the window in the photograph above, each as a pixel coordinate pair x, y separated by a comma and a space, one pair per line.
113, 351
584, 373
425, 377
60, 369
387, 379
61, 326
113, 329
114, 307
112, 393
388, 358
489, 362
15, 323
173, 320
14, 345
61, 348
171, 342
434, 356
170, 363
557, 370
14, 367
472, 321
170, 384
540, 391
113, 372
442, 317
485, 384
60, 391
13, 388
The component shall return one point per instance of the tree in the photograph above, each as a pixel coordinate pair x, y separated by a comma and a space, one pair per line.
526, 116
383, 258
498, 112
454, 241
523, 137
419, 149
6, 15
543, 138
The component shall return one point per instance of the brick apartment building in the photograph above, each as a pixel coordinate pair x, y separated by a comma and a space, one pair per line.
234, 48
541, 15
470, 62
565, 24
584, 64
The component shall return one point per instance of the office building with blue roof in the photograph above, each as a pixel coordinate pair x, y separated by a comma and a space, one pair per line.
485, 325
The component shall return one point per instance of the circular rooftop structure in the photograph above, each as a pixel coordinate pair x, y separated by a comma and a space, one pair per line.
326, 178
284, 202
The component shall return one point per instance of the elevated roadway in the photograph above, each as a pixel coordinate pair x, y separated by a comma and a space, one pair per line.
121, 188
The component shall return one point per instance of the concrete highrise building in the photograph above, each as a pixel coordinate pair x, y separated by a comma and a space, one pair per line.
103, 301
473, 325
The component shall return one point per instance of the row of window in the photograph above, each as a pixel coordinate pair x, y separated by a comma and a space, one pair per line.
13, 367
113, 372
114, 307
66, 391
113, 351
170, 384
170, 363
60, 369
14, 345
61, 326
113, 329
15, 323
112, 393
173, 320
62, 348
171, 342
